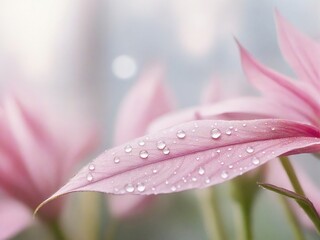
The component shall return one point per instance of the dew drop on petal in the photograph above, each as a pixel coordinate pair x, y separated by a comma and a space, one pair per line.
224, 174
128, 148
215, 133
250, 149
228, 132
201, 171
89, 177
166, 151
230, 166
244, 125
143, 154
141, 187
154, 171
194, 179
255, 161
161, 145
181, 134
129, 188
173, 188
116, 160
91, 167
141, 143
208, 180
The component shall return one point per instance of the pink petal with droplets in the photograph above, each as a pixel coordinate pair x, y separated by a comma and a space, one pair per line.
292, 94
207, 153
14, 217
301, 52
149, 98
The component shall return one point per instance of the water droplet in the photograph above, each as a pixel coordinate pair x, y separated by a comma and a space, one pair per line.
215, 133
224, 174
231, 166
250, 149
193, 130
89, 177
141, 187
255, 161
174, 173
218, 151
208, 180
201, 171
231, 127
153, 188
181, 134
222, 163
228, 132
167, 182
129, 188
128, 148
173, 188
141, 143
116, 160
244, 125
154, 171
273, 129
229, 149
161, 145
166, 151
196, 125
184, 179
143, 154
91, 167
197, 158
194, 179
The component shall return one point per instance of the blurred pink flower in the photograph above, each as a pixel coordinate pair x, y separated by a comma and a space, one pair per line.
148, 99
38, 153
202, 153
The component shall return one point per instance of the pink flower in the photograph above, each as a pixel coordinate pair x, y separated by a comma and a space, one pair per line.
201, 153
148, 99
38, 153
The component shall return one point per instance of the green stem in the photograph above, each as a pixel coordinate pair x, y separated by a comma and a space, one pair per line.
292, 175
111, 229
244, 222
314, 217
211, 214
296, 227
56, 230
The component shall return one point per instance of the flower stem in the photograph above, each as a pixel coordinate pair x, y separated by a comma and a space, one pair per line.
211, 214
56, 230
244, 222
298, 233
292, 175
314, 217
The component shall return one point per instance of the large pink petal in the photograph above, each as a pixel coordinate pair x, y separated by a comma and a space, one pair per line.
195, 156
292, 94
148, 99
14, 217
301, 52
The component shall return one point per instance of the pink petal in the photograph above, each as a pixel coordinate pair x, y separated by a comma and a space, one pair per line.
14, 217
212, 92
195, 156
277, 176
301, 52
292, 94
245, 108
148, 99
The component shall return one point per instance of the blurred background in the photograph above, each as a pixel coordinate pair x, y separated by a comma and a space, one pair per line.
85, 55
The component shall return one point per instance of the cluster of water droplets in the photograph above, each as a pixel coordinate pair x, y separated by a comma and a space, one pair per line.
200, 174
